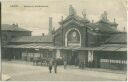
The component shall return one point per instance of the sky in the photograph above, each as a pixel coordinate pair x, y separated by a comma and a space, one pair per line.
36, 18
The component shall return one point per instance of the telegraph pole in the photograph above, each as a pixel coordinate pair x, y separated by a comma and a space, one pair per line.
86, 35
62, 30
53, 32
84, 15
62, 37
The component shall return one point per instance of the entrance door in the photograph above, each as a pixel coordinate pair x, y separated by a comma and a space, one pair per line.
74, 58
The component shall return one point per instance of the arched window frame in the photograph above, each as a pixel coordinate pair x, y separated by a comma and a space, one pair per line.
66, 40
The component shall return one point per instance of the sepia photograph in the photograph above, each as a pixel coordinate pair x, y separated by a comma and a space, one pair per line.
64, 40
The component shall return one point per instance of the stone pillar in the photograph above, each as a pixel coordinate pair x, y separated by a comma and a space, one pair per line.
27, 55
90, 58
65, 58
96, 60
58, 54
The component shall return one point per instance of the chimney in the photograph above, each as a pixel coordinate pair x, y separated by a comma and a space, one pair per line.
92, 21
42, 34
50, 25
114, 20
71, 10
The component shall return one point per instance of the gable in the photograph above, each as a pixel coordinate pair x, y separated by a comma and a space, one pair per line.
72, 20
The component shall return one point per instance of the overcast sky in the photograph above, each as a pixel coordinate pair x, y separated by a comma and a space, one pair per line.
36, 18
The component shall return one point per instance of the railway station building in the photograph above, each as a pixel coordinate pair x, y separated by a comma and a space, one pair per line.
78, 41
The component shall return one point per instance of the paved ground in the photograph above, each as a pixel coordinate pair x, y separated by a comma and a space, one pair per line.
28, 72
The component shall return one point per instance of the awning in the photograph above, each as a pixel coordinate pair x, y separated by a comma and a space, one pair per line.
33, 46
11, 46
45, 46
109, 48
90, 48
98, 48
70, 48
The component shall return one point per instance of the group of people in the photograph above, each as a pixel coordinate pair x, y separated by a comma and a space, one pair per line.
53, 63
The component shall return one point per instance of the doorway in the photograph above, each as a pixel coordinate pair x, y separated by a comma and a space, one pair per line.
74, 58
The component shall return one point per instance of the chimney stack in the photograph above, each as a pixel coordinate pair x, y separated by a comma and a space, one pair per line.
42, 34
71, 10
114, 20
50, 25
92, 21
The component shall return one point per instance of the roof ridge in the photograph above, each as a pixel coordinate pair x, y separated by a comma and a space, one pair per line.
32, 39
12, 28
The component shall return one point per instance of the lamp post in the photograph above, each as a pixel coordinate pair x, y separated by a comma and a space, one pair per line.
53, 33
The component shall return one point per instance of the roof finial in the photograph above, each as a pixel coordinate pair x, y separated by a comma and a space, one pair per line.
50, 25
92, 21
84, 13
124, 29
62, 18
104, 16
16, 24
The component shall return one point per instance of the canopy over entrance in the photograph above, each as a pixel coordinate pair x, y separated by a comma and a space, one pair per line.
48, 46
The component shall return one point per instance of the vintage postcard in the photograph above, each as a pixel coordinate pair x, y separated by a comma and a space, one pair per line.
64, 40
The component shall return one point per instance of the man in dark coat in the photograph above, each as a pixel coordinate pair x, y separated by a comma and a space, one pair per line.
55, 65
65, 64
50, 65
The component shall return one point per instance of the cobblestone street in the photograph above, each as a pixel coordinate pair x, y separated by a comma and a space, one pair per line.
27, 72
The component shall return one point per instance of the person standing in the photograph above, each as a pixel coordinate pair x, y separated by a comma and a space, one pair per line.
50, 65
55, 65
65, 64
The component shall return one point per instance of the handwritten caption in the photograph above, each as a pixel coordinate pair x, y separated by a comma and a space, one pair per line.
28, 6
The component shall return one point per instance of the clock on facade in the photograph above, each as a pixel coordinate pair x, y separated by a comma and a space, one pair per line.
74, 34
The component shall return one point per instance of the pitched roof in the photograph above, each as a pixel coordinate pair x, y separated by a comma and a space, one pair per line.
7, 27
32, 39
113, 47
117, 38
102, 27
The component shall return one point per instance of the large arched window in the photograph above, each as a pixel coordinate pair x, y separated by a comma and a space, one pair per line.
73, 37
